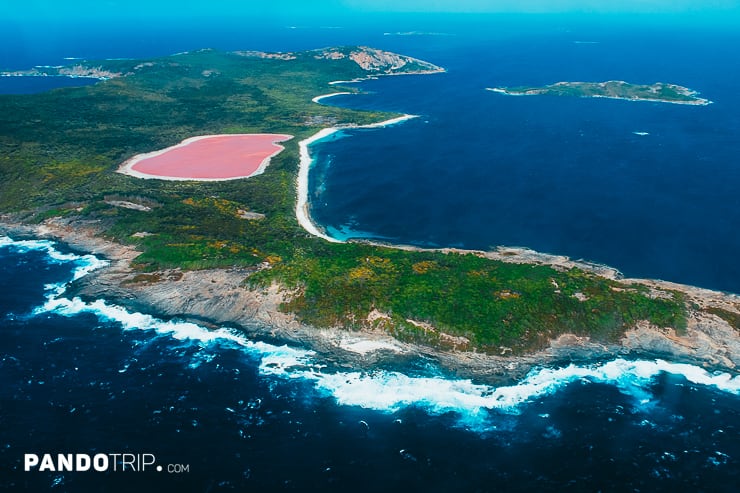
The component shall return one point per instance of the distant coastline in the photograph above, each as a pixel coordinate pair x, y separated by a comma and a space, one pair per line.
73, 72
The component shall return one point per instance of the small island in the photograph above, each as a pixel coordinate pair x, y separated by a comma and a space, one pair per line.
659, 92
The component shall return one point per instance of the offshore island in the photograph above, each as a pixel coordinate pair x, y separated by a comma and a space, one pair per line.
613, 89
244, 250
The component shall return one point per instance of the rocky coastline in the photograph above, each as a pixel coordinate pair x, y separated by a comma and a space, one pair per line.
218, 297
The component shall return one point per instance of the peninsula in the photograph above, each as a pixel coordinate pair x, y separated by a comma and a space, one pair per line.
612, 89
234, 252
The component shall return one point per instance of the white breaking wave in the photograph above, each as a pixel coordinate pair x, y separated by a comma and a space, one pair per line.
387, 391
391, 391
85, 263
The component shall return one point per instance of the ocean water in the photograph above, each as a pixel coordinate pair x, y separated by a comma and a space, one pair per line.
476, 169
568, 176
251, 415
34, 85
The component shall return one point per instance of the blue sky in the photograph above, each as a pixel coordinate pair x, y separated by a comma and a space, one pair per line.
544, 6
30, 9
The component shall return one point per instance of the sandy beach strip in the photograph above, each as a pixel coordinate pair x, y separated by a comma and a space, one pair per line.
269, 148
302, 204
318, 99
353, 81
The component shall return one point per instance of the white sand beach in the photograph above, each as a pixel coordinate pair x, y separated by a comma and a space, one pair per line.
302, 204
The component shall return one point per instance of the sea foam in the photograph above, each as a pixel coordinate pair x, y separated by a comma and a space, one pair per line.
382, 390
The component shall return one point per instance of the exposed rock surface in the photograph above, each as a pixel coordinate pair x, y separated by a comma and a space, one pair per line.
218, 296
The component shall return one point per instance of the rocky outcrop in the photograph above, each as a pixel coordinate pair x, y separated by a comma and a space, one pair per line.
379, 62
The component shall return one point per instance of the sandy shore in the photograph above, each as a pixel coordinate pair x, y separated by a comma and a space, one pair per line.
317, 99
127, 168
302, 210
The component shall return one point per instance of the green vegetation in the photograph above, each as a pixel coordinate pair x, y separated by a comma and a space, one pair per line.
491, 304
59, 152
731, 318
614, 89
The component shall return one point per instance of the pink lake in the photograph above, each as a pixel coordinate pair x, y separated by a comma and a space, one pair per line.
210, 157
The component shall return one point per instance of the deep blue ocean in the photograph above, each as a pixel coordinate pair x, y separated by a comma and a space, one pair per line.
477, 169
567, 176
250, 415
